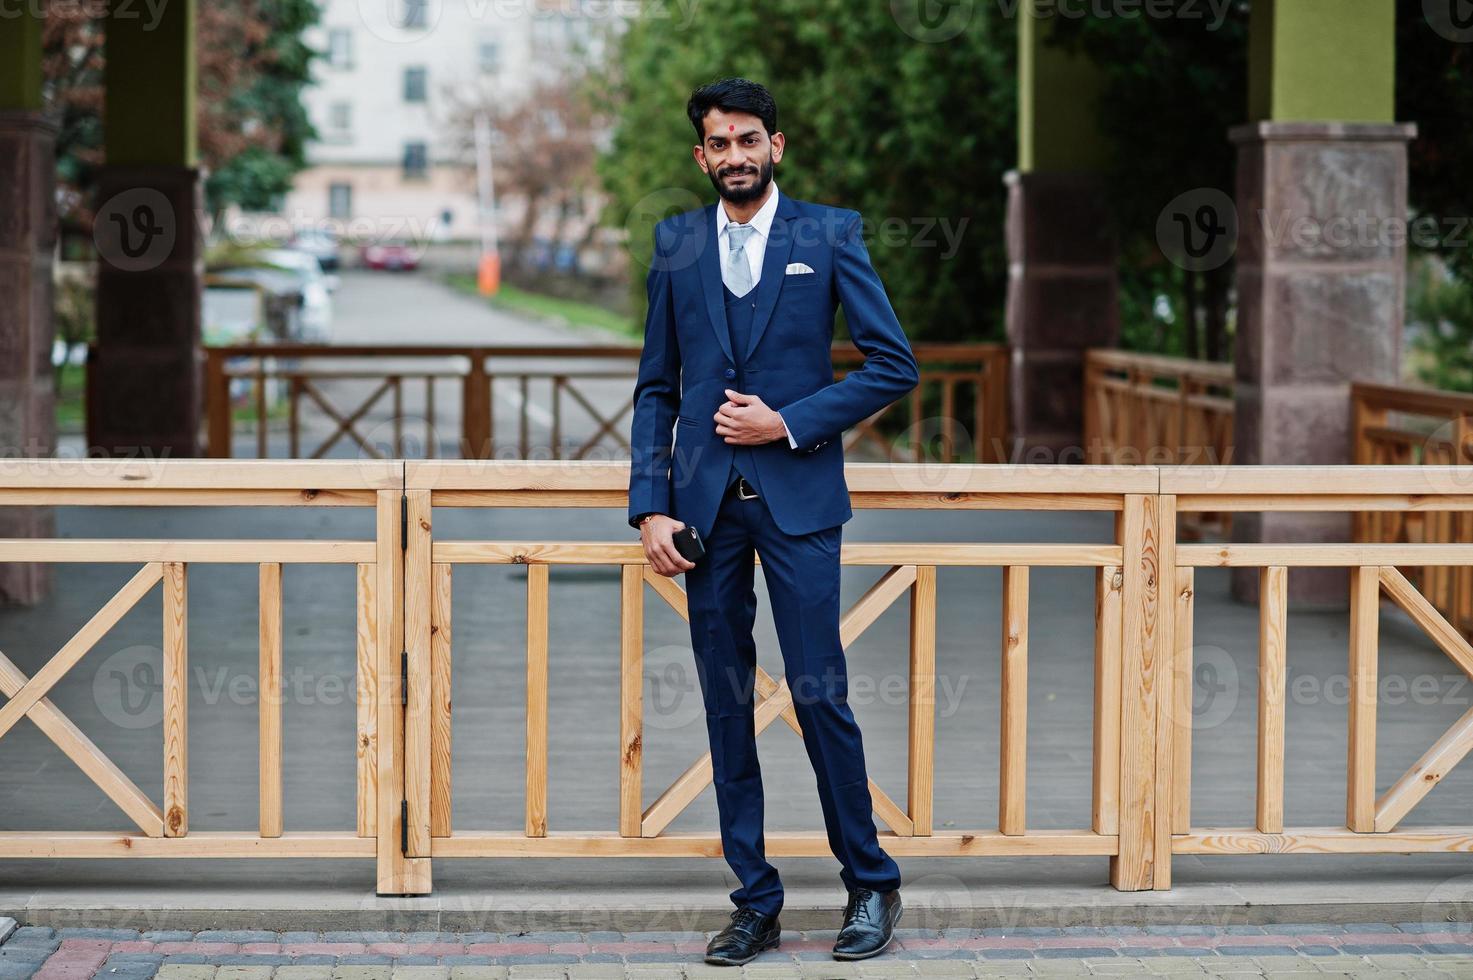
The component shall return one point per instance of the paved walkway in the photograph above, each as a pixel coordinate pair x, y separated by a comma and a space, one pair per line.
390, 310
1371, 949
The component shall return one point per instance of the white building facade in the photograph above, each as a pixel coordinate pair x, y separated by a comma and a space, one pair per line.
391, 159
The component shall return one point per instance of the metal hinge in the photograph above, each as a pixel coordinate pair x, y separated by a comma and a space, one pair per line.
404, 678
403, 826
403, 522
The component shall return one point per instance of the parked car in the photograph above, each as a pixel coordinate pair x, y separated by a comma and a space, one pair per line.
315, 287
280, 293
320, 244
297, 296
392, 254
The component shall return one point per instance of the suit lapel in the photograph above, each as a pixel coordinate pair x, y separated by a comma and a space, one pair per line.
774, 268
711, 285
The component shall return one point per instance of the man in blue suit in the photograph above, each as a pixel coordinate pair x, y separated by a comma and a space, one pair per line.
737, 432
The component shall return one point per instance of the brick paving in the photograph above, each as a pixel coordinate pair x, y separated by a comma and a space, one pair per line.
1379, 949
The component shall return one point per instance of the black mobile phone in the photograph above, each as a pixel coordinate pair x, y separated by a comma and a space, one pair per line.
688, 543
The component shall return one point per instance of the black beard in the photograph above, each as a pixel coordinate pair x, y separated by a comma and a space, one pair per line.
748, 194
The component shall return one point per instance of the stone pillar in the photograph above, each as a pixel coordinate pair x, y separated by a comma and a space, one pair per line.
144, 389
1321, 261
1321, 301
27, 241
144, 373
1062, 294
1062, 300
27, 392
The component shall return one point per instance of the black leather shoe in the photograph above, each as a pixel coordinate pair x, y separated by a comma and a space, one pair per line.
750, 933
869, 923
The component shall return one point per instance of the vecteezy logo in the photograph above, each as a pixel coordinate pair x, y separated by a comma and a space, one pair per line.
673, 699
1198, 230
135, 230
1453, 19
932, 21
680, 253
128, 689
1215, 687
400, 21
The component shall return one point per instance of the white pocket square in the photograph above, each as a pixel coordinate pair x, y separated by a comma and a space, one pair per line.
799, 269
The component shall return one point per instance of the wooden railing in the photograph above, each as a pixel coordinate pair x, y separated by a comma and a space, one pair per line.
1146, 408
569, 403
1142, 603
164, 830
1162, 411
1373, 820
1400, 425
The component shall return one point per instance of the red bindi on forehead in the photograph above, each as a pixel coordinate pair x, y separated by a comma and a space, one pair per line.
731, 129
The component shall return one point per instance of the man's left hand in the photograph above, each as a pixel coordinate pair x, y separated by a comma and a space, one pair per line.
745, 420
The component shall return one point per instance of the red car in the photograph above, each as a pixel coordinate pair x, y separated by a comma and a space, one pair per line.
389, 255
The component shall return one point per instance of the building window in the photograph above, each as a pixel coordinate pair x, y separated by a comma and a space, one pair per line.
415, 13
340, 48
490, 57
416, 84
416, 161
340, 201
340, 117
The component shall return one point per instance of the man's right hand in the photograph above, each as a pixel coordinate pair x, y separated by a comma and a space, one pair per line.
655, 534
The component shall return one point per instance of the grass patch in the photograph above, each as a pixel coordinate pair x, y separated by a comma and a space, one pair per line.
573, 312
71, 408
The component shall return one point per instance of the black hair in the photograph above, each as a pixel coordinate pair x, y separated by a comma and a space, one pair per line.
731, 95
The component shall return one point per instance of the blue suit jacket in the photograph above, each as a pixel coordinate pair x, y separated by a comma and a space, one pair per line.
680, 464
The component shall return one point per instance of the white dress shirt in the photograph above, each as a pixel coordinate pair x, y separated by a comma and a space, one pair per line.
756, 250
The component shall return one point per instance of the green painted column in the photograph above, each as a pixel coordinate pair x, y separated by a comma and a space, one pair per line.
1058, 92
1321, 259
27, 240
149, 102
20, 60
1062, 295
144, 392
1322, 60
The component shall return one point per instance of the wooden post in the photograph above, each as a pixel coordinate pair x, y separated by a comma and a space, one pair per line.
397, 873
1105, 809
1181, 675
475, 400
440, 699
418, 596
1360, 783
366, 684
535, 824
176, 699
631, 701
1013, 769
922, 723
1091, 409
1272, 677
1147, 535
217, 404
269, 703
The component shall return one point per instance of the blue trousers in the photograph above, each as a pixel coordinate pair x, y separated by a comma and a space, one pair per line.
802, 573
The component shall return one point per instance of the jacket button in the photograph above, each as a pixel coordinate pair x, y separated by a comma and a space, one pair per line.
730, 374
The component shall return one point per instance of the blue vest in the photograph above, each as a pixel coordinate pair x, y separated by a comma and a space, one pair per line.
740, 311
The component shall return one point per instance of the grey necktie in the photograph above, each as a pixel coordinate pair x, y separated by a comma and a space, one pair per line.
738, 274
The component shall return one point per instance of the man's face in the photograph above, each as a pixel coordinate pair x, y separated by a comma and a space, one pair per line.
738, 155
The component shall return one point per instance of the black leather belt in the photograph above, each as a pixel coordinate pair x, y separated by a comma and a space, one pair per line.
744, 490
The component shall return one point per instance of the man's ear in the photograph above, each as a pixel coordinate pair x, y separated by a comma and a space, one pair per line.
778, 142
699, 152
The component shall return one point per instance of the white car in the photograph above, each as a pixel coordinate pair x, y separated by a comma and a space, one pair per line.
321, 244
316, 289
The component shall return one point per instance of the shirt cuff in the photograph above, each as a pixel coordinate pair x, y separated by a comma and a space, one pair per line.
792, 443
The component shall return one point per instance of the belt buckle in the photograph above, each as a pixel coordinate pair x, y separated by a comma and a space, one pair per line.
742, 487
